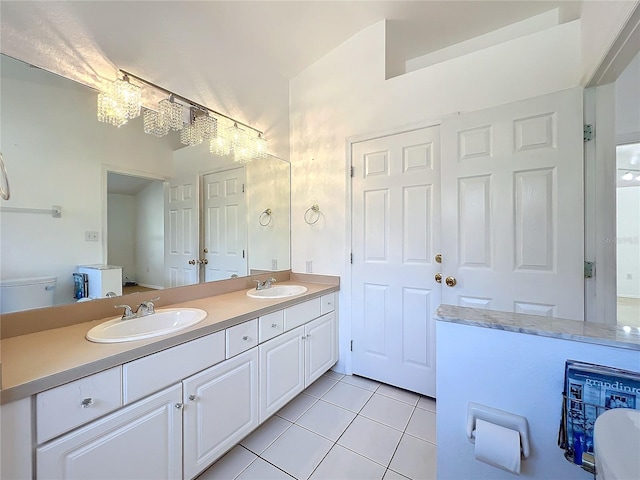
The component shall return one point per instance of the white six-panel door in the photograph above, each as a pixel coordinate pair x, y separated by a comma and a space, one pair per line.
512, 207
225, 225
396, 236
181, 232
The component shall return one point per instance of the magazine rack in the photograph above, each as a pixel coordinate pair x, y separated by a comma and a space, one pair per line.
589, 391
576, 418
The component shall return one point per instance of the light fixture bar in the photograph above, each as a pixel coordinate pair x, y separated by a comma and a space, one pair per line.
190, 102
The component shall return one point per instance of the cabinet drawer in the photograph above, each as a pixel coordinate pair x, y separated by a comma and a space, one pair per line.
154, 372
242, 337
301, 313
68, 406
270, 325
328, 303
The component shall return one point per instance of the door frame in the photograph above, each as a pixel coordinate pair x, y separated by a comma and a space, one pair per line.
345, 304
104, 175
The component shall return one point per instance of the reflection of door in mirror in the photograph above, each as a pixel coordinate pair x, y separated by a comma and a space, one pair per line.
628, 234
135, 230
181, 232
224, 242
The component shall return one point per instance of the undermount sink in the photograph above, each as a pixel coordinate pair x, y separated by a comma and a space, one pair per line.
278, 291
164, 321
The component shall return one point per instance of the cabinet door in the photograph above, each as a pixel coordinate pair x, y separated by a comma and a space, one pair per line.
221, 408
141, 441
321, 351
281, 371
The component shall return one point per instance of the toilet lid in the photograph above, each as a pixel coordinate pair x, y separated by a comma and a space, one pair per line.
616, 442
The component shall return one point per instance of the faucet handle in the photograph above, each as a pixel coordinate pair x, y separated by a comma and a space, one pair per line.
147, 307
269, 281
128, 313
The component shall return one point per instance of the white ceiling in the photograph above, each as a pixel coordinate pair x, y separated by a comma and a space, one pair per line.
237, 56
284, 36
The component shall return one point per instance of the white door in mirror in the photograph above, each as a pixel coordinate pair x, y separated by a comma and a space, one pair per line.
279, 291
163, 322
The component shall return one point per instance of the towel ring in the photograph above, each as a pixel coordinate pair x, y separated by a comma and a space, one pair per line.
5, 191
266, 215
314, 209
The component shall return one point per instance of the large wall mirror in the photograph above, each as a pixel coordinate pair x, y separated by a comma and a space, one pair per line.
166, 214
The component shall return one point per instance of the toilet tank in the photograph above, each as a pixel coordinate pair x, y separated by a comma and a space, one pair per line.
26, 293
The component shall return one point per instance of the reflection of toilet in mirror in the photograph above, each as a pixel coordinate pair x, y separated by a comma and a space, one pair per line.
26, 293
103, 279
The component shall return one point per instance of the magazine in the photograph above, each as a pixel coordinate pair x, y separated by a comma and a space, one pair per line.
590, 390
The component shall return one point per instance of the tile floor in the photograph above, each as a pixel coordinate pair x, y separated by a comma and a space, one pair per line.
341, 427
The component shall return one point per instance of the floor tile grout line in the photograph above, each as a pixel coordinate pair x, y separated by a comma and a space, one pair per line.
274, 465
273, 441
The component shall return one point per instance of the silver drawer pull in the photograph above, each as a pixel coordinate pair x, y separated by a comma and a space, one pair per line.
274, 325
245, 338
86, 402
179, 405
192, 397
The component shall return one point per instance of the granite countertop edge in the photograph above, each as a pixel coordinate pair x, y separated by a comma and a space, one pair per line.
566, 329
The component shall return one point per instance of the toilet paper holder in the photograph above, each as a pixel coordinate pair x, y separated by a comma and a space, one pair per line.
515, 422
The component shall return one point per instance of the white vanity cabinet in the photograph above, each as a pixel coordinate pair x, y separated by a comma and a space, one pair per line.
281, 371
221, 408
140, 441
294, 360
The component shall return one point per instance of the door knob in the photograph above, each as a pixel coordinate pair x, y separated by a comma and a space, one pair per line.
450, 281
203, 261
438, 277
206, 250
192, 262
439, 258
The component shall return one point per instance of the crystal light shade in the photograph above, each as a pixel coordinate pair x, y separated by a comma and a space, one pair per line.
172, 113
220, 146
119, 103
155, 123
128, 96
260, 147
206, 126
190, 135
109, 111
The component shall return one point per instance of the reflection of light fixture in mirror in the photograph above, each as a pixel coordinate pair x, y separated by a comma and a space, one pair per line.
260, 147
120, 102
627, 176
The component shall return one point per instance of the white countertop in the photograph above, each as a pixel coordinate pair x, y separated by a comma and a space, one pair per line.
38, 361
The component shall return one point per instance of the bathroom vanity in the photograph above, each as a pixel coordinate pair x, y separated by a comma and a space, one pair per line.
166, 407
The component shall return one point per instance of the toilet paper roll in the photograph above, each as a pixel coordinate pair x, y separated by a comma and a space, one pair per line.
498, 446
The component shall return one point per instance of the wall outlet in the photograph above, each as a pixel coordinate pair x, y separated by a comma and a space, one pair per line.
90, 236
274, 264
309, 266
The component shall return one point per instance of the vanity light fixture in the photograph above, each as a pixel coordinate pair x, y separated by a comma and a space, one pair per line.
627, 176
122, 102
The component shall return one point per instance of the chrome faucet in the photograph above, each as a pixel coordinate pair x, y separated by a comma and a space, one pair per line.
146, 308
266, 284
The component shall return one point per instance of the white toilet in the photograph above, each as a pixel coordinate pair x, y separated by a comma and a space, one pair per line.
616, 441
26, 293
